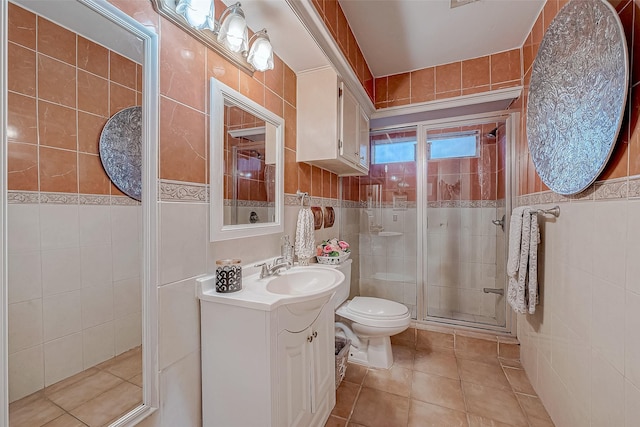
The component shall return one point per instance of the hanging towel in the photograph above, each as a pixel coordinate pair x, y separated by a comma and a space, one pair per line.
305, 239
522, 265
532, 286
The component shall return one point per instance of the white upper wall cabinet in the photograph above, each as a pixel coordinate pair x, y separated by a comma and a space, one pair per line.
333, 129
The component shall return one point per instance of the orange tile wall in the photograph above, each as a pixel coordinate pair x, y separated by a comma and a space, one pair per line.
186, 65
492, 72
334, 19
625, 160
62, 90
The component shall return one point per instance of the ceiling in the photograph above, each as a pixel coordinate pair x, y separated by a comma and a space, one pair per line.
397, 36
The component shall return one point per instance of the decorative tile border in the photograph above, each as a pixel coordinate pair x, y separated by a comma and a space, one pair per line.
249, 203
23, 197
178, 191
615, 189
293, 200
124, 201
59, 198
31, 197
91, 199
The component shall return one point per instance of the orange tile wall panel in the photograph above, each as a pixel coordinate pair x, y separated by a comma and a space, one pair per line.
55, 121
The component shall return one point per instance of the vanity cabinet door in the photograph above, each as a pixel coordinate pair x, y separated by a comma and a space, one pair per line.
294, 387
323, 344
363, 139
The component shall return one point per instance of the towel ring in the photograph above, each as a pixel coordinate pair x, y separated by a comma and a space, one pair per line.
302, 195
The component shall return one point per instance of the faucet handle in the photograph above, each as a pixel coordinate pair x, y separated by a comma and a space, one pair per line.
264, 272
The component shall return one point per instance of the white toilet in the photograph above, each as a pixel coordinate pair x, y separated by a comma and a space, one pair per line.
369, 323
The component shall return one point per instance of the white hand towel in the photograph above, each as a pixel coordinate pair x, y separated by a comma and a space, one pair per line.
305, 239
532, 285
515, 291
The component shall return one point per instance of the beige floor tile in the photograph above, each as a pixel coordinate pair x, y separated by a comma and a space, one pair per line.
441, 363
136, 351
137, 380
403, 356
376, 408
65, 421
126, 368
335, 422
431, 339
511, 363
437, 390
407, 337
519, 381
84, 390
68, 381
37, 412
355, 425
477, 346
533, 407
509, 351
423, 414
492, 403
478, 421
490, 360
394, 380
535, 422
109, 406
345, 399
483, 374
26, 401
355, 373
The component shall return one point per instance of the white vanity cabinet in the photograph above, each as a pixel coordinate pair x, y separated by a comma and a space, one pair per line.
332, 127
267, 367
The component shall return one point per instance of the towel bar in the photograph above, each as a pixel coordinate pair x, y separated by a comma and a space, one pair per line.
555, 211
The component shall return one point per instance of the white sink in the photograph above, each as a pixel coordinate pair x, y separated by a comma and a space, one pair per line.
296, 285
304, 281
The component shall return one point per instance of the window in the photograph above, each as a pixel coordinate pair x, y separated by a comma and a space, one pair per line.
449, 146
394, 146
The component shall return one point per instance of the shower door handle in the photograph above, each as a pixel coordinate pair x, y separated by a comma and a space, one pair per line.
499, 222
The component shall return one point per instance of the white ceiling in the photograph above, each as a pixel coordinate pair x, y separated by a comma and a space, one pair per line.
397, 36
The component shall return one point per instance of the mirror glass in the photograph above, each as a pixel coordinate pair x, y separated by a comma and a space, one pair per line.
246, 166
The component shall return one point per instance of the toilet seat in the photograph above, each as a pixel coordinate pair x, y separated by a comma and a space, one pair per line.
375, 312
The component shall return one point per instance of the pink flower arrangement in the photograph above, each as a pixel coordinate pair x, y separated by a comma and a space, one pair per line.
332, 248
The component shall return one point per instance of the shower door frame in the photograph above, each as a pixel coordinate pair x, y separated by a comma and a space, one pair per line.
512, 122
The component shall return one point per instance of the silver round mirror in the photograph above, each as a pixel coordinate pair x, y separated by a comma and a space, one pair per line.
577, 95
121, 151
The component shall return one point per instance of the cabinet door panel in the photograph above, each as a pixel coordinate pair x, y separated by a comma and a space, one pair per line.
363, 138
323, 356
350, 111
294, 363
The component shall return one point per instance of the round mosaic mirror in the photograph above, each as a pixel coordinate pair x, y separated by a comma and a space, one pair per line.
577, 95
121, 151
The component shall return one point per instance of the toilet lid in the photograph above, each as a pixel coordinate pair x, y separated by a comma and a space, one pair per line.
377, 308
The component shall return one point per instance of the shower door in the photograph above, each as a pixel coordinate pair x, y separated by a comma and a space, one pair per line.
464, 176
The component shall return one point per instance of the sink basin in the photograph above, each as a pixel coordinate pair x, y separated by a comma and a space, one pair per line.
304, 281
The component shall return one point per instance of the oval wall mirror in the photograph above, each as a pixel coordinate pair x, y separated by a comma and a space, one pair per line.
577, 95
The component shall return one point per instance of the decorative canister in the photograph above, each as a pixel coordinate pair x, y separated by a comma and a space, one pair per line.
228, 275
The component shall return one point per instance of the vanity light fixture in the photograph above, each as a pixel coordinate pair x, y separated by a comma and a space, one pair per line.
261, 52
230, 31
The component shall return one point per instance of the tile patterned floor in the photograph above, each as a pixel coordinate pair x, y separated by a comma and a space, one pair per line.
94, 397
438, 387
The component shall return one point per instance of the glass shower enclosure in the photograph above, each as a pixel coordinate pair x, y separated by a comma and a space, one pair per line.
433, 220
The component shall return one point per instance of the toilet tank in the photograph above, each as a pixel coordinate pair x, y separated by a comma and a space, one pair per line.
343, 290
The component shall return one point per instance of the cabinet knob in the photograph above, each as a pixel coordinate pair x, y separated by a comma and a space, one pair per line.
315, 334
310, 338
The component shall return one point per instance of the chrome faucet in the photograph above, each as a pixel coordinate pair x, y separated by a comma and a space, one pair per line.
273, 269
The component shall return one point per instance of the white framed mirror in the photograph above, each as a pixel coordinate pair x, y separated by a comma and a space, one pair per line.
247, 146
